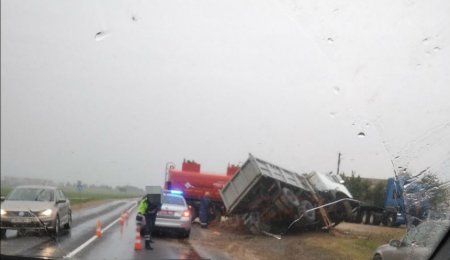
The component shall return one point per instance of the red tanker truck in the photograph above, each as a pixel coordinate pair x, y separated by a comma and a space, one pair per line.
194, 183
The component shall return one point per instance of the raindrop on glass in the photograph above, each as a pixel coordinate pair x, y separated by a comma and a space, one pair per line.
332, 114
361, 135
336, 90
436, 49
330, 40
100, 36
367, 124
133, 18
425, 40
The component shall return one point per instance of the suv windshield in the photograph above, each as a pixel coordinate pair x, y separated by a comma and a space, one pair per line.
30, 194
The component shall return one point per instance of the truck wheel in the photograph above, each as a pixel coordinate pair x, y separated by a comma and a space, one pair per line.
254, 223
289, 198
365, 217
357, 216
376, 219
304, 206
280, 205
390, 220
371, 219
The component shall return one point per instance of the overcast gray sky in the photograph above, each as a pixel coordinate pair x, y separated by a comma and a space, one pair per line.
109, 91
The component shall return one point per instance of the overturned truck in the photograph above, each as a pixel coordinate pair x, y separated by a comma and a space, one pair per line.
269, 198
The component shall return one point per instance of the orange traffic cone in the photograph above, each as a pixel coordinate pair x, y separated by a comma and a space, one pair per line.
98, 232
137, 243
126, 218
121, 219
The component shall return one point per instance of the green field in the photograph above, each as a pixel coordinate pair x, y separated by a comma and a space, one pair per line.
76, 197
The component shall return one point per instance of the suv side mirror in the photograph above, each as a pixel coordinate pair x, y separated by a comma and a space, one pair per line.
2, 198
60, 201
395, 243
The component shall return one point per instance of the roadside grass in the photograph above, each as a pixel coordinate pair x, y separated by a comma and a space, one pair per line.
5, 190
84, 196
351, 246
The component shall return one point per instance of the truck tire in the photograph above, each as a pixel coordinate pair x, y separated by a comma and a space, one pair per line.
289, 198
391, 218
371, 219
254, 223
304, 206
357, 216
365, 217
376, 218
280, 205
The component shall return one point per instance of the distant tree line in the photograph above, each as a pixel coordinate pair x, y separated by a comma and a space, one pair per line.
367, 190
373, 191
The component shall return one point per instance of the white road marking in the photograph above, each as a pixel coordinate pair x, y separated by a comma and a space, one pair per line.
93, 238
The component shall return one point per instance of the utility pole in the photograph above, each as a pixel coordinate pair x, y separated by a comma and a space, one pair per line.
339, 163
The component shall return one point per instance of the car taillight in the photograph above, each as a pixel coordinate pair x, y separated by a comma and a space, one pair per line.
186, 213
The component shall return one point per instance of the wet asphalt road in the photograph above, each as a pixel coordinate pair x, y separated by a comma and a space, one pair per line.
117, 242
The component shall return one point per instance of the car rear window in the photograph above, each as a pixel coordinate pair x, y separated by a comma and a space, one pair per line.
167, 199
32, 194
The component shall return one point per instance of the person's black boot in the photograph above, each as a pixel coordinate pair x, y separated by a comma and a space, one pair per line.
147, 245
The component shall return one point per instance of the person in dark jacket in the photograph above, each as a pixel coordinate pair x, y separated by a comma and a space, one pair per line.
204, 210
148, 210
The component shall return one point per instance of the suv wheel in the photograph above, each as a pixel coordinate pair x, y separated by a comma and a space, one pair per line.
68, 225
57, 227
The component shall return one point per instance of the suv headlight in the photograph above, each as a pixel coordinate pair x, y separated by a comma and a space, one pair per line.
46, 213
2, 212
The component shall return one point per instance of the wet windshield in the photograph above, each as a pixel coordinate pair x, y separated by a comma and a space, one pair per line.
173, 200
31, 195
311, 129
426, 234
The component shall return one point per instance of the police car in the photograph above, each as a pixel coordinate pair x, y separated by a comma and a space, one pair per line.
174, 216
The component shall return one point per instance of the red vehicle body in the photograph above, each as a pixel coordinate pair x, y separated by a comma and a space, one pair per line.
194, 184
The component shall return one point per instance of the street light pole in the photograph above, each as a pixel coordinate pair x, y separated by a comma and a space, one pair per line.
339, 163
